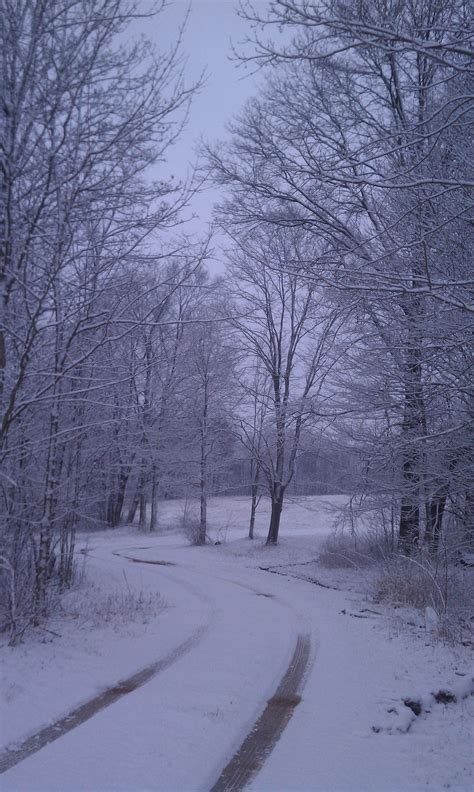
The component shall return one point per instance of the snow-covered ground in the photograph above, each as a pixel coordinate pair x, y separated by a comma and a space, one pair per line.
178, 731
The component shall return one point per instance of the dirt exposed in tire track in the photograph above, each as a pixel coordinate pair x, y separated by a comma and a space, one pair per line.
13, 756
267, 730
255, 748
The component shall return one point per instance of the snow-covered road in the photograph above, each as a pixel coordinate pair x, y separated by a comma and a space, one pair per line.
178, 731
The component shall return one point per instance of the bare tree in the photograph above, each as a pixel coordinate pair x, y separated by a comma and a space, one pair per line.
210, 396
288, 330
85, 117
359, 137
254, 382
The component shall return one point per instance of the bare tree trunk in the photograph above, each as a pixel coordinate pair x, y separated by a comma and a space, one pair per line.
154, 493
43, 561
254, 496
122, 486
409, 508
42, 564
116, 500
142, 512
203, 515
277, 488
203, 498
413, 426
68, 533
277, 507
133, 508
139, 502
434, 522
66, 562
203, 472
468, 521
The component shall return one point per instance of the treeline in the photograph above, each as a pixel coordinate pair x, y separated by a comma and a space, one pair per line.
95, 279
336, 352
127, 373
358, 152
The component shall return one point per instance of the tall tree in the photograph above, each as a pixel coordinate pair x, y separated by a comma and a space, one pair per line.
359, 136
85, 117
288, 329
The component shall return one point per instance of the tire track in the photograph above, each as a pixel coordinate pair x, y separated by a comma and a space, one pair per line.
255, 748
20, 750
13, 756
267, 730
274, 571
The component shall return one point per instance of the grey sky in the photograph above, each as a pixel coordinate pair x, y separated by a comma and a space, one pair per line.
211, 26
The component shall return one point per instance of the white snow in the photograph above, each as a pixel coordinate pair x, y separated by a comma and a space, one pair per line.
178, 731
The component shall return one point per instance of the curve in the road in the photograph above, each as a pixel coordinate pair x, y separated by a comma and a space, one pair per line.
265, 733
253, 751
12, 756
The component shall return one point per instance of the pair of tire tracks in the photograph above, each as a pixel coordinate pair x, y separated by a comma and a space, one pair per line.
253, 751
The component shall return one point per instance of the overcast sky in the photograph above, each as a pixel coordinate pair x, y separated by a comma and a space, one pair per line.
211, 26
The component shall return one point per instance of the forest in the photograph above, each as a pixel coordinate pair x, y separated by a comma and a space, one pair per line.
331, 352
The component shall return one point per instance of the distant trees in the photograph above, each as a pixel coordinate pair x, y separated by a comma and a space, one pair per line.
159, 357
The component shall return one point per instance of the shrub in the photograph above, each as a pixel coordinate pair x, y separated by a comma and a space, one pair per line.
122, 605
190, 524
423, 584
350, 550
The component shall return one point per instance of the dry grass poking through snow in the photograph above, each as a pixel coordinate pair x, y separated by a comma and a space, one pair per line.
94, 606
441, 592
444, 593
352, 552
88, 605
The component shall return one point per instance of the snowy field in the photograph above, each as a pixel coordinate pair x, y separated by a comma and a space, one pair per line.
149, 594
